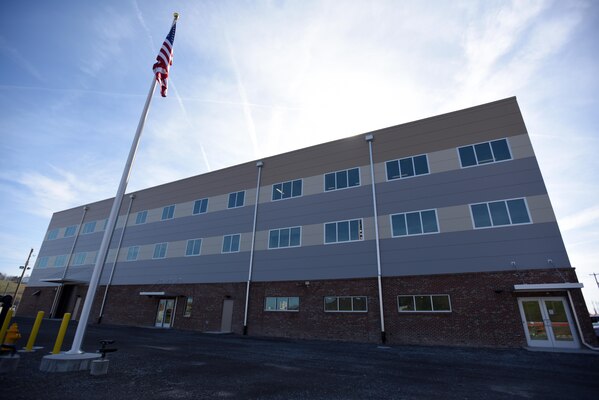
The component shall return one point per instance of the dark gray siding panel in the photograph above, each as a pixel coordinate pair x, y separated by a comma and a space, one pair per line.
334, 261
316, 209
475, 251
517, 178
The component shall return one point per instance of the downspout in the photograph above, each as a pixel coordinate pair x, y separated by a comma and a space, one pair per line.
66, 268
259, 164
369, 138
578, 325
118, 249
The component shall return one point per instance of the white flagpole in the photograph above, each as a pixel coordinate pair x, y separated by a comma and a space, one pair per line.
114, 212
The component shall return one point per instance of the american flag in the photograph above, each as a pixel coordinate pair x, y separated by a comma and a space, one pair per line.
164, 60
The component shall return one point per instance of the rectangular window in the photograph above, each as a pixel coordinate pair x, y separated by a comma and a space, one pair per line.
200, 206
141, 217
281, 304
193, 247
42, 262
342, 179
53, 234
236, 199
160, 250
231, 243
484, 153
59, 261
168, 212
407, 167
424, 303
284, 237
132, 253
89, 227
188, 307
286, 190
343, 231
345, 304
70, 231
414, 223
79, 258
500, 213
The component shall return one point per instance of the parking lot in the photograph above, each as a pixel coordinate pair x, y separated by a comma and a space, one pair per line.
170, 364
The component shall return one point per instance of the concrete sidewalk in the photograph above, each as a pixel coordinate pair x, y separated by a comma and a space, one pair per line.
170, 364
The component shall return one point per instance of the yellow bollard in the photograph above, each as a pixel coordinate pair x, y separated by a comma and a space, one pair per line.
34, 331
5, 324
61, 332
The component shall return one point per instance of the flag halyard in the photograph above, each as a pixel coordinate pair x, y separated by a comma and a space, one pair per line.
164, 60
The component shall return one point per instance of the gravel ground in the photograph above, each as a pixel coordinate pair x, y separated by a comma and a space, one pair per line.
172, 364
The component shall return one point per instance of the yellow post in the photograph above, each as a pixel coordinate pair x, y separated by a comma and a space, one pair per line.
61, 332
5, 324
34, 331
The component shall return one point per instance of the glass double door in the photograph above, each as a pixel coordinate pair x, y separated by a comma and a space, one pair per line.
547, 322
164, 316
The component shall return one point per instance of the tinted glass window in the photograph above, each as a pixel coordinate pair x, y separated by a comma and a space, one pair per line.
467, 157
406, 167
501, 150
483, 153
518, 211
480, 213
499, 215
392, 170
421, 165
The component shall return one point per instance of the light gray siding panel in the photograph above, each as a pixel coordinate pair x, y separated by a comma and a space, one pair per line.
475, 251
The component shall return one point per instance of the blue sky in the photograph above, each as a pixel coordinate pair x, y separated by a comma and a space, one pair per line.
256, 78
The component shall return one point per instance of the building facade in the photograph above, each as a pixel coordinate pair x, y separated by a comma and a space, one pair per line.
438, 231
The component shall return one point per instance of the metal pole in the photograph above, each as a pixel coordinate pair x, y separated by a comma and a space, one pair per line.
22, 273
116, 205
118, 249
369, 139
259, 164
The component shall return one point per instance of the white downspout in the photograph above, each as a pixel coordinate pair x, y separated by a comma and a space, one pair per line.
259, 164
369, 138
578, 325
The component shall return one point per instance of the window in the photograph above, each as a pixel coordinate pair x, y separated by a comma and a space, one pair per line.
500, 213
286, 190
141, 217
59, 261
132, 253
281, 304
79, 258
42, 262
407, 167
285, 237
89, 227
231, 243
160, 250
70, 231
345, 304
193, 247
236, 199
200, 206
342, 179
343, 231
414, 223
188, 307
168, 212
424, 303
484, 153
53, 234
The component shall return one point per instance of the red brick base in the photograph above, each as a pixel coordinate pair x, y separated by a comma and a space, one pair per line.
484, 308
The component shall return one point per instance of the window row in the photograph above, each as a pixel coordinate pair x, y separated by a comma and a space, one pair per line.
427, 303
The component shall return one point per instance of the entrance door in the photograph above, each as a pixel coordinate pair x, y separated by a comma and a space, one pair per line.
227, 317
547, 322
164, 316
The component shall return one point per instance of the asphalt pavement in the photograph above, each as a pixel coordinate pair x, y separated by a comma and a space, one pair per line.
171, 364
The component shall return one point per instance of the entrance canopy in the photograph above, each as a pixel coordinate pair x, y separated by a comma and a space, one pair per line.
161, 294
537, 287
64, 281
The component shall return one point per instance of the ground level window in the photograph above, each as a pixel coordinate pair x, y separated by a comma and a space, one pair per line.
345, 304
424, 303
281, 304
188, 306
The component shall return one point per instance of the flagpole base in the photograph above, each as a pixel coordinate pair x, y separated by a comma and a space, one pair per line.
68, 362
